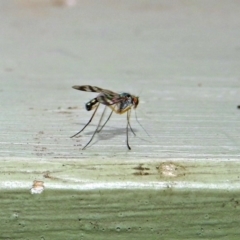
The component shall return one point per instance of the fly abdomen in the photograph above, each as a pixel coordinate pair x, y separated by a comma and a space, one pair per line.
89, 105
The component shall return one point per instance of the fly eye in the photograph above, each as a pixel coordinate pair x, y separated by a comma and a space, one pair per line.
135, 100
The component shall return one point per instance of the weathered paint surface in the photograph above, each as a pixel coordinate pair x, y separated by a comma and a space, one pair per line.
120, 214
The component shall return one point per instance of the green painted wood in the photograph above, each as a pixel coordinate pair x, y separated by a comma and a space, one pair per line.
120, 214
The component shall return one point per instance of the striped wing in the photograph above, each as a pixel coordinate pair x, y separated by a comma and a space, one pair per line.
105, 97
108, 99
88, 88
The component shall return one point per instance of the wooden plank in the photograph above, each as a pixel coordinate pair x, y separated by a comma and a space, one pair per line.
181, 178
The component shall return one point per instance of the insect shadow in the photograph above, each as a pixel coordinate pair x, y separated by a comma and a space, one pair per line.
108, 132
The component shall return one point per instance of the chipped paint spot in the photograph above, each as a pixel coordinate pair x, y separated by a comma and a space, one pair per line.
37, 187
169, 169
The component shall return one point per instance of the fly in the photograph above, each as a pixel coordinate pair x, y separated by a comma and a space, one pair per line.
118, 103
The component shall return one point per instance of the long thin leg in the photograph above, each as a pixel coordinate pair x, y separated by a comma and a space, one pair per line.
97, 131
90, 139
128, 119
87, 123
100, 120
105, 122
127, 129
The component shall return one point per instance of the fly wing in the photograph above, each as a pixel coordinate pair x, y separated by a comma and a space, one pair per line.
105, 97
88, 88
110, 98
118, 105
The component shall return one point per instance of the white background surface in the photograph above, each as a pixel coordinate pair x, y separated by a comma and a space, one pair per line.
181, 57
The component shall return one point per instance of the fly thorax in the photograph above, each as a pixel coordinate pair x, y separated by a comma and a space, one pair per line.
128, 101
